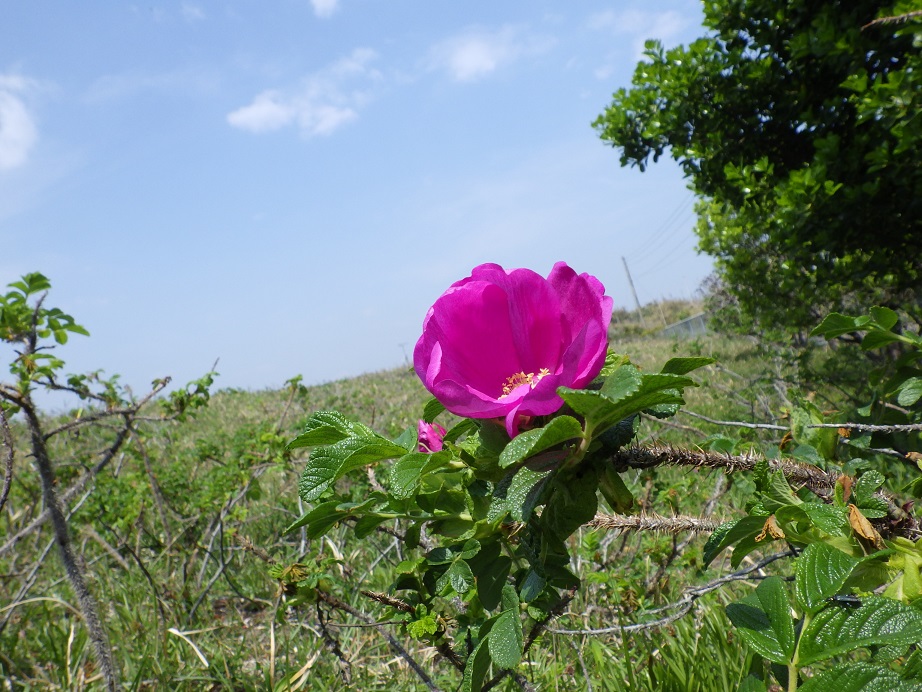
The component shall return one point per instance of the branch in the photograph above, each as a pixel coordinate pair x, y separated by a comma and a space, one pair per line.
653, 522
684, 604
796, 472
72, 491
340, 605
912, 427
8, 458
735, 424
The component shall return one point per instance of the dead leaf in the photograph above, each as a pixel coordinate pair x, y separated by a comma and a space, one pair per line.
866, 533
770, 528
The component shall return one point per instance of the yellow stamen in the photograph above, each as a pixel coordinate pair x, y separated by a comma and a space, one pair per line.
521, 378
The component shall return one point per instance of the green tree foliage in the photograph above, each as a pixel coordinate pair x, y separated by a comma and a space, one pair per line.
797, 122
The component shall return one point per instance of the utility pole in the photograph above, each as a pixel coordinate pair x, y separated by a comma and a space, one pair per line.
627, 271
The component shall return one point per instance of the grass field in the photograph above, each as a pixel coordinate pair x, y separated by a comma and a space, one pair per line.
176, 531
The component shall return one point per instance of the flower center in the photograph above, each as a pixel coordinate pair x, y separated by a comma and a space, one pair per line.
521, 378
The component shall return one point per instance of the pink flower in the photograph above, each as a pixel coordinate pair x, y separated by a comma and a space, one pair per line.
500, 343
430, 437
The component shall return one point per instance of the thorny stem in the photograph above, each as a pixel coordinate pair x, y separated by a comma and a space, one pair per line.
8, 461
74, 571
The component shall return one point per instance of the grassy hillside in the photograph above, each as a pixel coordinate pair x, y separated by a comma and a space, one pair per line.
180, 530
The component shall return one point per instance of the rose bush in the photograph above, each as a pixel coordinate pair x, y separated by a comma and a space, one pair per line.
500, 342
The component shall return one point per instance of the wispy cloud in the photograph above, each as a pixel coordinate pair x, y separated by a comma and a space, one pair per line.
639, 26
325, 101
192, 13
18, 132
471, 55
126, 84
325, 8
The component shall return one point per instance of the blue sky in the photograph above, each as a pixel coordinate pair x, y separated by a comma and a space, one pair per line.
287, 186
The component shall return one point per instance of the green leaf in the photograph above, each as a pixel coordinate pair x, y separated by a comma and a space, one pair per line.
859, 677
572, 503
876, 338
425, 626
613, 489
884, 317
432, 409
728, 534
621, 396
525, 490
683, 366
623, 382
458, 575
879, 621
490, 583
506, 638
910, 391
831, 519
328, 464
834, 325
863, 495
821, 572
764, 621
532, 442
778, 493
478, 663
325, 428
407, 471
324, 514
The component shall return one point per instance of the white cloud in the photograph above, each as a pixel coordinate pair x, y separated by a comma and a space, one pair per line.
192, 13
18, 132
640, 26
325, 8
322, 104
477, 52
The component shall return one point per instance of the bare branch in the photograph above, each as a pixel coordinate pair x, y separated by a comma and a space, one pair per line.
7, 436
912, 427
734, 424
345, 607
682, 606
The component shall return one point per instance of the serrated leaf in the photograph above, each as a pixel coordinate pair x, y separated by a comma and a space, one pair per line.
764, 620
407, 471
532, 586
506, 639
910, 392
624, 381
458, 575
859, 677
525, 490
606, 407
328, 464
325, 428
831, 519
425, 626
821, 572
532, 442
729, 533
432, 409
878, 622
572, 503
478, 663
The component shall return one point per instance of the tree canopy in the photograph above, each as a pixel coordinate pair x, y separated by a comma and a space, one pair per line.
798, 124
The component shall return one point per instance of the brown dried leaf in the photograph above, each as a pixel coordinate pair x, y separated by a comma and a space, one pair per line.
771, 528
866, 533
